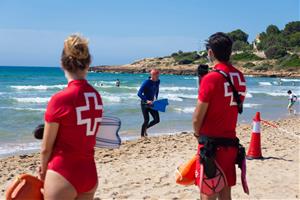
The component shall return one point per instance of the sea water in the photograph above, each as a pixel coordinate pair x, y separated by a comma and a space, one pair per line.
25, 91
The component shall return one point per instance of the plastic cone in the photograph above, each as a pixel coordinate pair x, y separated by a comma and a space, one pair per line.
254, 151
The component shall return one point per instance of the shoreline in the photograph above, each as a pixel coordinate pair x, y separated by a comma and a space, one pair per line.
144, 168
137, 136
188, 70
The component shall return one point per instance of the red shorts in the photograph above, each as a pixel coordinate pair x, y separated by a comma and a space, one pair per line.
81, 173
225, 157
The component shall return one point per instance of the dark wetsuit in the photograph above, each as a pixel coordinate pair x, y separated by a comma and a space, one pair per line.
147, 92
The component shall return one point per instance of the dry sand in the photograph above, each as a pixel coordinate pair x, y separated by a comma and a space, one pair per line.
144, 169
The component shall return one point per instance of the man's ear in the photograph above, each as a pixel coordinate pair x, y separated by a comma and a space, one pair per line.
210, 53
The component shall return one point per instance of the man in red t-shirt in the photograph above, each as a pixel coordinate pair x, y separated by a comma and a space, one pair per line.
216, 111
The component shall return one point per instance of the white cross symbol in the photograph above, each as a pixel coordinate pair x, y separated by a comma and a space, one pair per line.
87, 121
230, 94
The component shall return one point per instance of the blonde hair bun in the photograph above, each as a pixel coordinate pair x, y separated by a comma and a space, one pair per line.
76, 46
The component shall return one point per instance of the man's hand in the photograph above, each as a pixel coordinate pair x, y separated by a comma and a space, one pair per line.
149, 102
196, 135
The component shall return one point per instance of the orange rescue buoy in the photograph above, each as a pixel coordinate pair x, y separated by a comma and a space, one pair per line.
185, 173
25, 187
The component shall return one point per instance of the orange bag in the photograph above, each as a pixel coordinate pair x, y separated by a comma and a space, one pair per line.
25, 187
185, 173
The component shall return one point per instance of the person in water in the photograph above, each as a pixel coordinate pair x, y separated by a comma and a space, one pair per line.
72, 120
292, 101
148, 92
216, 112
118, 83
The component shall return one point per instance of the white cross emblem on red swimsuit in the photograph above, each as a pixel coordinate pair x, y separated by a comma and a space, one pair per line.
226, 86
87, 107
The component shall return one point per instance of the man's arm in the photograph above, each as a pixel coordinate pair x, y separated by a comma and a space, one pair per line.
198, 116
141, 91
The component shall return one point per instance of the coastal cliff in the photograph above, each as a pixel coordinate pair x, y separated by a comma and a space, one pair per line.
273, 53
168, 65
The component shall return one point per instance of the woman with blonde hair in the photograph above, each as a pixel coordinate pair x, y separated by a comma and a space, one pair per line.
72, 120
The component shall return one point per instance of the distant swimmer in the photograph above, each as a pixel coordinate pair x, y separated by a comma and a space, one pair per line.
292, 102
148, 92
118, 83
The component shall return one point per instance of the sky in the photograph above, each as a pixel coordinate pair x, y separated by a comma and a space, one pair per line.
122, 31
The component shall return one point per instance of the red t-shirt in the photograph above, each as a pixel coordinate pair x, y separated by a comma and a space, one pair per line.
78, 110
221, 116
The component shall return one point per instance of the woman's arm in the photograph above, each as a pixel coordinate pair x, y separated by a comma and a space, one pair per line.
50, 133
198, 116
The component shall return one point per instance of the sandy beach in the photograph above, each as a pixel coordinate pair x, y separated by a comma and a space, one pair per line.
144, 168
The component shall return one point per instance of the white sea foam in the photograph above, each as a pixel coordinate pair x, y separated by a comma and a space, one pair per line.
117, 97
185, 110
32, 99
130, 87
191, 109
251, 105
32, 109
188, 96
22, 109
37, 87
98, 83
12, 148
103, 85
175, 89
265, 83
290, 80
114, 99
161, 89
171, 97
189, 78
177, 97
249, 95
274, 93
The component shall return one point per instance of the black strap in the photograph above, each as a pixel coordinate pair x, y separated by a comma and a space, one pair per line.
236, 95
219, 141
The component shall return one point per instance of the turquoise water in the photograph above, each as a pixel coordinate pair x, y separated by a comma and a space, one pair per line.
25, 91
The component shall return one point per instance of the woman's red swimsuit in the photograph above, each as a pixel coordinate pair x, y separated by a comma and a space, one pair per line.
78, 110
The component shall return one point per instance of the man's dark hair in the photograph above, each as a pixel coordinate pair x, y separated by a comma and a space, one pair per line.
289, 92
221, 45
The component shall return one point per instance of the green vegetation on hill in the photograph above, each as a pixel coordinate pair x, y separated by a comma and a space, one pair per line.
240, 40
281, 45
276, 43
245, 56
290, 61
183, 58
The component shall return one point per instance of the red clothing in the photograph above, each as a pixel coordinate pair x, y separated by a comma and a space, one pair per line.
78, 110
221, 116
225, 157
